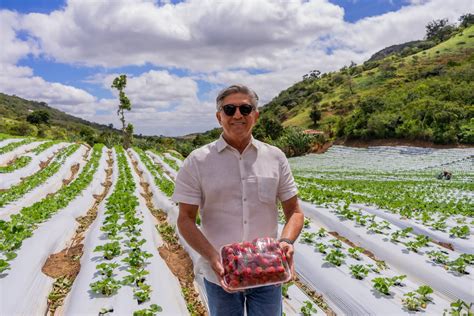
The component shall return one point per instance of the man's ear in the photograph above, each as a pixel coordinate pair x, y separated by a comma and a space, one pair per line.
257, 115
218, 116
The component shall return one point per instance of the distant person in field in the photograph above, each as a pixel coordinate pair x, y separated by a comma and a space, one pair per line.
236, 182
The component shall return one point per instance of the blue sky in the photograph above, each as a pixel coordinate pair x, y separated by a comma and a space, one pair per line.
178, 55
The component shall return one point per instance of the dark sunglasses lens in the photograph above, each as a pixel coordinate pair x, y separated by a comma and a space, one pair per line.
245, 109
229, 109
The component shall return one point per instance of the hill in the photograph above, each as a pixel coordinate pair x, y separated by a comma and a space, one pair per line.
416, 91
14, 111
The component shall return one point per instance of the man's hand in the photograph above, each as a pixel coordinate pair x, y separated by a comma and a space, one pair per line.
289, 250
216, 265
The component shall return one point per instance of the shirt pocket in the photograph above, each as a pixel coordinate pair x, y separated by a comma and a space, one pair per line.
267, 189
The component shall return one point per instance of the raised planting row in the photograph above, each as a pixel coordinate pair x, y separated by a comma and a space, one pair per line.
14, 145
21, 226
412, 200
44, 146
127, 269
160, 180
401, 249
38, 178
370, 285
17, 163
167, 171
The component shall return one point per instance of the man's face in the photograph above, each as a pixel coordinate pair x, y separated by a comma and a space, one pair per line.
237, 127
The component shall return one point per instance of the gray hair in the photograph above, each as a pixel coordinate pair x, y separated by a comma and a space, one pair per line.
236, 88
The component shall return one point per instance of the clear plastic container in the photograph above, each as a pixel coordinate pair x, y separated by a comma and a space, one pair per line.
252, 264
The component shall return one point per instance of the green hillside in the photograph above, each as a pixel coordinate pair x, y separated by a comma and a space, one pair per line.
421, 91
13, 120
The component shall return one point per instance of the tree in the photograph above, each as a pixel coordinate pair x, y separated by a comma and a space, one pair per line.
127, 131
439, 30
38, 117
315, 115
466, 20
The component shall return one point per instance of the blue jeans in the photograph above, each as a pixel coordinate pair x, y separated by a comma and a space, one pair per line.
259, 301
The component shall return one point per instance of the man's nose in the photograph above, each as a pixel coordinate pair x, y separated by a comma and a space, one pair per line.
237, 113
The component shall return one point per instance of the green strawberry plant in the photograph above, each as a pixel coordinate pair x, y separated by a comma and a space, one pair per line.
142, 293
308, 309
438, 256
458, 265
151, 311
321, 233
383, 285
307, 237
359, 271
110, 250
460, 231
335, 257
321, 247
336, 243
397, 280
355, 252
106, 269
460, 308
107, 286
411, 301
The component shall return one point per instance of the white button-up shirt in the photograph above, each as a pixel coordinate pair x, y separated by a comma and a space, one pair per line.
237, 193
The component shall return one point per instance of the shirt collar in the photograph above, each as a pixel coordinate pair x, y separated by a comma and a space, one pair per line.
221, 143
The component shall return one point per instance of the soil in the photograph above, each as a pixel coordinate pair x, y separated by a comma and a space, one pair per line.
64, 263
74, 170
178, 262
350, 243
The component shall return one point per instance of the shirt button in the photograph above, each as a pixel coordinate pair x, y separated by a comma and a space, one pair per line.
245, 222
245, 199
243, 178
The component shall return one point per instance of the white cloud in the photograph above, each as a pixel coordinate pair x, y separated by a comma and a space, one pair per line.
197, 35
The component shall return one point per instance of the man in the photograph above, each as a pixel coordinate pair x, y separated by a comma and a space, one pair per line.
236, 182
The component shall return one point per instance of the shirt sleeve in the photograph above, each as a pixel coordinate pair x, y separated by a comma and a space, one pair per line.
286, 186
187, 187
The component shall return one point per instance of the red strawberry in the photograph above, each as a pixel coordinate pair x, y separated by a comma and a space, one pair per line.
258, 271
234, 284
270, 270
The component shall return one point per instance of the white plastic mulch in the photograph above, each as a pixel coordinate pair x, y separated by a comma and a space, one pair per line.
25, 281
415, 266
15, 177
8, 156
8, 141
51, 185
383, 159
461, 245
168, 170
179, 162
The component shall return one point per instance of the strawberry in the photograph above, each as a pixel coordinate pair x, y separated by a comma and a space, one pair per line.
258, 271
234, 284
270, 270
280, 269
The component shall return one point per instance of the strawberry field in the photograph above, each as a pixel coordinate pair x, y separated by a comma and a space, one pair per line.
91, 231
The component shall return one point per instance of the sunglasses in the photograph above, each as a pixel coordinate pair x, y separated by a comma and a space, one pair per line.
245, 109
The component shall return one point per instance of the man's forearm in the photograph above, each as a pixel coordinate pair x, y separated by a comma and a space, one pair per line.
196, 239
293, 226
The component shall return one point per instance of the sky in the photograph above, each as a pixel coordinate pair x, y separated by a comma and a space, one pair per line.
178, 55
